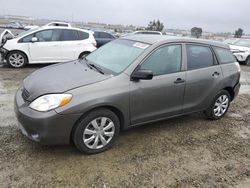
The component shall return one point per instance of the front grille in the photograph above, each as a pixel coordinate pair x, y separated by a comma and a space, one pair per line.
25, 94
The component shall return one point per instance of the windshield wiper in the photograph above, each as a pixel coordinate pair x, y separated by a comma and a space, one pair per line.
96, 68
91, 65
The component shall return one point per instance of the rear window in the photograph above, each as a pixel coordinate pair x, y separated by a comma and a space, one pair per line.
69, 35
83, 35
199, 57
224, 55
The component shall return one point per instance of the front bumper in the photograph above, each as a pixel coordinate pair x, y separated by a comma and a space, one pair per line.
241, 56
48, 128
3, 53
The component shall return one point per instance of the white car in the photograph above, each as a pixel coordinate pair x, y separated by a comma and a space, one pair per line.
47, 44
241, 50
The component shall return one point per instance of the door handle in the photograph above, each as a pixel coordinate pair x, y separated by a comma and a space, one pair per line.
179, 80
216, 73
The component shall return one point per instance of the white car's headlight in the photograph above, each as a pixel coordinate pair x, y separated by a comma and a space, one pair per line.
50, 101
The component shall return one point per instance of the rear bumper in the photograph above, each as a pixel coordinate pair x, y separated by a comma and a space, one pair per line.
236, 89
48, 128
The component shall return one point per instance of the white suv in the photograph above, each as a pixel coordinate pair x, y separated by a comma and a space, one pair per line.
241, 50
47, 44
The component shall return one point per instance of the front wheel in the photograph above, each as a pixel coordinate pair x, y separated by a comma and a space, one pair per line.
219, 106
96, 131
16, 59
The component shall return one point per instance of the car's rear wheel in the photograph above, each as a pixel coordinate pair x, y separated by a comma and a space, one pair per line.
219, 106
83, 54
16, 59
96, 131
247, 61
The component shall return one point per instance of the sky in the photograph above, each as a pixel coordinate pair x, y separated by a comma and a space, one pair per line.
211, 15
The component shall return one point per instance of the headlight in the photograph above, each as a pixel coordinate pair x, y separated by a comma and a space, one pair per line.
50, 101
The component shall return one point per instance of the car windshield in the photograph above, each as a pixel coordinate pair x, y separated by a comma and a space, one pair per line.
243, 42
26, 32
117, 55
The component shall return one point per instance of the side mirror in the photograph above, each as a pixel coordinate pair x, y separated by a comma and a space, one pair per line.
34, 39
142, 75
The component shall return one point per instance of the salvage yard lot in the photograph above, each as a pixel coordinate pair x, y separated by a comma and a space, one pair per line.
190, 151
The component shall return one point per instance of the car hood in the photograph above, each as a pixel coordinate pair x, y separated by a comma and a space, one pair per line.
235, 48
60, 78
4, 36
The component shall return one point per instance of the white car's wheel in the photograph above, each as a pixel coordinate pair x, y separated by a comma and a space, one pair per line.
16, 59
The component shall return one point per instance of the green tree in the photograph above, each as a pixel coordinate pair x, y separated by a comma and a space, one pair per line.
155, 26
196, 32
238, 33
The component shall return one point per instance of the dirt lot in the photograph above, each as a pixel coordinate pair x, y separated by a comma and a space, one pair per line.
184, 152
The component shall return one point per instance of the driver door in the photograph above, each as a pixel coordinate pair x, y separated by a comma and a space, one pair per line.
163, 95
48, 47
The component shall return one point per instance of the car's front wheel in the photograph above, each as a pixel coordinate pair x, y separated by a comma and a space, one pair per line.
96, 131
16, 59
219, 106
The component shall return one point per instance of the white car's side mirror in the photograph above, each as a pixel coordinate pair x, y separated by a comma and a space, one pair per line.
34, 39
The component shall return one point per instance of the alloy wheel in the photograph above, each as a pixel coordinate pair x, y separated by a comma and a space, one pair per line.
221, 105
98, 133
16, 60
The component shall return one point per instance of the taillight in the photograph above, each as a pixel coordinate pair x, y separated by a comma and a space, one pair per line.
94, 43
238, 66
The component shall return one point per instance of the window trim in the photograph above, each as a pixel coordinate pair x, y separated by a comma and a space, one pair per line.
215, 60
158, 47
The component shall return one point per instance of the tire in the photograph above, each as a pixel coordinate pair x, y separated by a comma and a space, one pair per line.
88, 134
83, 54
247, 62
219, 106
16, 59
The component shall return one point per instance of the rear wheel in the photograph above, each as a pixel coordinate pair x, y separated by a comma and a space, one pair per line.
96, 131
16, 59
219, 106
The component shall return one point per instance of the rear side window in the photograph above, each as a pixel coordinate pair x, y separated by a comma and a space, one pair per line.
83, 35
199, 57
224, 55
69, 35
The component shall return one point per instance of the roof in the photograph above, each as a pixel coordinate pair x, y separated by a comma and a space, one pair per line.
153, 39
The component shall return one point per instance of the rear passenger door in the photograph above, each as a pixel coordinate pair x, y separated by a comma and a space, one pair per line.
71, 44
203, 77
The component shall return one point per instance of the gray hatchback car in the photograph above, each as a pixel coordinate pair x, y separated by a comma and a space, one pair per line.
127, 82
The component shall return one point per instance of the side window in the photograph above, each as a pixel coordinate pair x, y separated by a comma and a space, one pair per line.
104, 35
27, 38
44, 36
56, 34
69, 35
83, 35
96, 34
199, 57
224, 55
164, 60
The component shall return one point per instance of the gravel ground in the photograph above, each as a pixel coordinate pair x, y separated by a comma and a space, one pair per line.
190, 151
